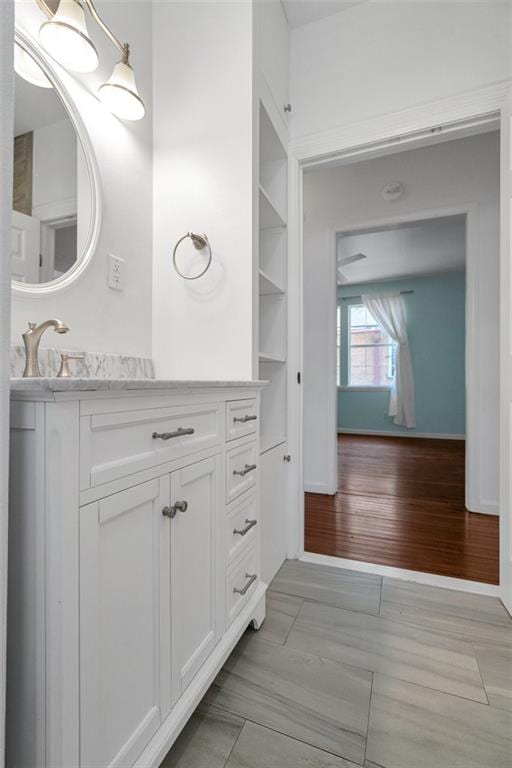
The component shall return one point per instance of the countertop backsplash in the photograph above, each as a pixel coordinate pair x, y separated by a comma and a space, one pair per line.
94, 365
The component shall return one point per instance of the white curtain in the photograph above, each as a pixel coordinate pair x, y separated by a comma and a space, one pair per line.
389, 312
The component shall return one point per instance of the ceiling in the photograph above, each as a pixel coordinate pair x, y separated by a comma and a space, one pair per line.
405, 250
35, 107
300, 12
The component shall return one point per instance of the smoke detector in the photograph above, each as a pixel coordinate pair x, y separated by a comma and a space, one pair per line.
392, 191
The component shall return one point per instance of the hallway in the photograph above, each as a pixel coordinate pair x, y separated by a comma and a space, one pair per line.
400, 502
350, 669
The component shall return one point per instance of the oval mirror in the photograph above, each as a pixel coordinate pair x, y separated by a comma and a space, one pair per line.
55, 205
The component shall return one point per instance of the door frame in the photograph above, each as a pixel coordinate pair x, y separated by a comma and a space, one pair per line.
454, 117
473, 499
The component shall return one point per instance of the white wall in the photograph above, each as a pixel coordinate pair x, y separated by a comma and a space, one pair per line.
6, 156
203, 182
380, 57
102, 320
447, 175
54, 169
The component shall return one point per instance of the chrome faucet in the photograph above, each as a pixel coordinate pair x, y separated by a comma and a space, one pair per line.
31, 339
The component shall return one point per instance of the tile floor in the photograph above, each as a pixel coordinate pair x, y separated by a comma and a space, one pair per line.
353, 670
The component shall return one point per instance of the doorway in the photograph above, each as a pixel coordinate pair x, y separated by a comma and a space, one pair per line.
429, 515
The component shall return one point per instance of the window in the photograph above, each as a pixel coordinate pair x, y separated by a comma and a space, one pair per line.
371, 351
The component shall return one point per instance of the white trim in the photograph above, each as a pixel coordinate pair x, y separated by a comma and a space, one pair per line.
319, 488
472, 371
465, 113
419, 577
6, 158
470, 111
385, 433
22, 290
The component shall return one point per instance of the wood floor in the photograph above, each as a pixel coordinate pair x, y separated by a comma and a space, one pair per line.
400, 502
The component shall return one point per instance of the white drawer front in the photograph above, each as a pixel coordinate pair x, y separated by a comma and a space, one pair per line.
241, 418
241, 582
241, 468
113, 445
241, 525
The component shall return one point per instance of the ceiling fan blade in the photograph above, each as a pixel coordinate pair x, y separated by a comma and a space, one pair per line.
351, 259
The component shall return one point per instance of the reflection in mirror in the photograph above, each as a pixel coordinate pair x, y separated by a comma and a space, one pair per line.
51, 190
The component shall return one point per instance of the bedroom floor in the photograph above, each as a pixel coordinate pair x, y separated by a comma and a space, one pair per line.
351, 669
400, 502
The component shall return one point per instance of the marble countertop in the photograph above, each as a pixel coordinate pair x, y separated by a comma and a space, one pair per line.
112, 385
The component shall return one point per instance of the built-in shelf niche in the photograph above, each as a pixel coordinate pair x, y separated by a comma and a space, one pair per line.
273, 166
272, 327
272, 245
273, 405
272, 284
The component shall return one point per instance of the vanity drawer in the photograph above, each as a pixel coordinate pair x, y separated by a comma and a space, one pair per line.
113, 445
241, 418
241, 582
241, 468
241, 526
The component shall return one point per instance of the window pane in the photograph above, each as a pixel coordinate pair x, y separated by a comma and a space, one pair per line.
371, 350
371, 366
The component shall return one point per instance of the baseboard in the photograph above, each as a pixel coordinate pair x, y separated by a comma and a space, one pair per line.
319, 488
420, 577
485, 508
384, 433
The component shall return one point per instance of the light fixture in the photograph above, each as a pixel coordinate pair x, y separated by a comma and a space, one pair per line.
120, 93
28, 69
65, 38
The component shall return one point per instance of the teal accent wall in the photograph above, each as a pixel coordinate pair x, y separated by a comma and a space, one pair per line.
436, 329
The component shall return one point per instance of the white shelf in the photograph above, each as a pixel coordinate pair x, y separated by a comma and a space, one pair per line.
268, 286
270, 216
264, 358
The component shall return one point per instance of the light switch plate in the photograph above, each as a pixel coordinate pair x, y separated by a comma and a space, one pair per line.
116, 268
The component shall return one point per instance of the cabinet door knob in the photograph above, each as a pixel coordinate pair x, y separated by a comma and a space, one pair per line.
179, 506
245, 470
243, 419
287, 457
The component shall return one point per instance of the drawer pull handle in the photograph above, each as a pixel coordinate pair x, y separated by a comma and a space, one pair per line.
243, 419
252, 578
180, 506
178, 433
245, 470
243, 531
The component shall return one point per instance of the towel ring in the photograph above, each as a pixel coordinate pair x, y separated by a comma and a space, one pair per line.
199, 241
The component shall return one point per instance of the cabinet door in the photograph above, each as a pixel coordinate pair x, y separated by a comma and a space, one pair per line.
124, 623
273, 509
196, 588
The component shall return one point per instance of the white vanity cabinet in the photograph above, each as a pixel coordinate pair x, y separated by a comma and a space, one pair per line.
124, 623
134, 564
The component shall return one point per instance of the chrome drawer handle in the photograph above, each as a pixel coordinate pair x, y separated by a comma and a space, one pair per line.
178, 433
243, 419
243, 531
247, 468
252, 578
180, 506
